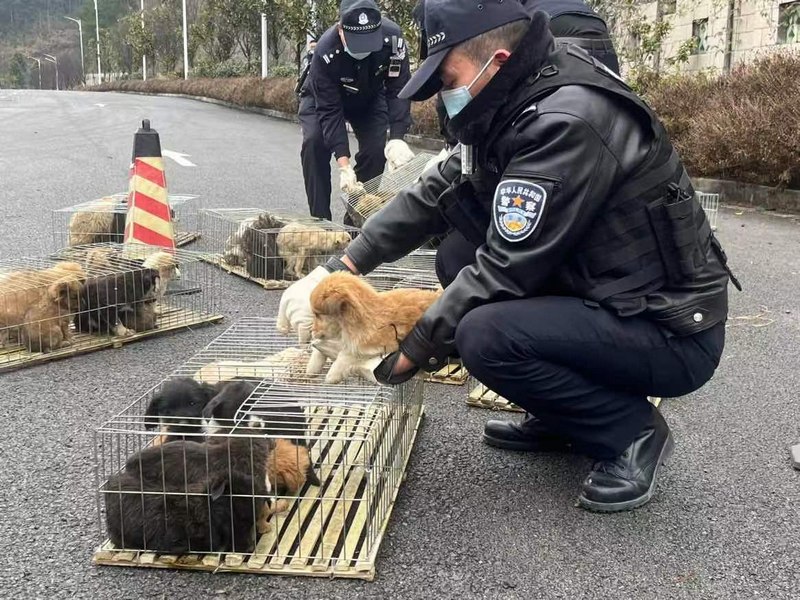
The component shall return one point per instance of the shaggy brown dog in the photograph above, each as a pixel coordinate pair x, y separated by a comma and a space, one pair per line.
41, 303
370, 324
103, 222
298, 243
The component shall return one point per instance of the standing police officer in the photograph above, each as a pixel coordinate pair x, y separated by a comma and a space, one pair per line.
595, 280
358, 68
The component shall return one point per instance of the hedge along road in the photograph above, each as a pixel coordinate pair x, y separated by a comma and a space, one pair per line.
470, 521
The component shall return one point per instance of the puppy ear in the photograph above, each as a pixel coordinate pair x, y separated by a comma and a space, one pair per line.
153, 410
59, 290
311, 476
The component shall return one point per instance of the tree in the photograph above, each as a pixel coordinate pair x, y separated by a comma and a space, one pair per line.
19, 71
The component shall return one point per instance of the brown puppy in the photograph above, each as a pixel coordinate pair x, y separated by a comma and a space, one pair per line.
288, 467
41, 304
299, 242
370, 324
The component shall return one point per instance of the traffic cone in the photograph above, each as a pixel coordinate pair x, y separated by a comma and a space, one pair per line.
148, 220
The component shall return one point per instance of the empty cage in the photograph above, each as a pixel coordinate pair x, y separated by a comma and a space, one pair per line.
103, 220
271, 248
710, 204
90, 297
284, 474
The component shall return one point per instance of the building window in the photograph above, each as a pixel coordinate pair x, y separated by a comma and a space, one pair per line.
668, 7
700, 35
789, 23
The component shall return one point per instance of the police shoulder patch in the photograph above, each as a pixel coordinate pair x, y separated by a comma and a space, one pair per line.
517, 208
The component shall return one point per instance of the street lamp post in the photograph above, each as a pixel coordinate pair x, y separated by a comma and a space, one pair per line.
38, 62
97, 33
54, 60
185, 45
80, 32
144, 56
264, 65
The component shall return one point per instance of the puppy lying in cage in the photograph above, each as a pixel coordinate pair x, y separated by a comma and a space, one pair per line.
288, 364
189, 496
302, 246
103, 222
368, 323
290, 465
177, 409
259, 247
36, 306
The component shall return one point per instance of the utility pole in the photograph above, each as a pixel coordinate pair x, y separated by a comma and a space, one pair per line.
54, 60
38, 62
144, 55
264, 65
185, 44
80, 32
97, 32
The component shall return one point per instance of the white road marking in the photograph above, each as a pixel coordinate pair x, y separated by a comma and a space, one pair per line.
178, 157
100, 105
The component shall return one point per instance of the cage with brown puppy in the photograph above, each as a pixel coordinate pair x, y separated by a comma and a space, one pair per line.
103, 220
239, 461
271, 248
97, 296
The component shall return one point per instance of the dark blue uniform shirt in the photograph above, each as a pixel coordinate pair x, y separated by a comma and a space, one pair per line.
343, 86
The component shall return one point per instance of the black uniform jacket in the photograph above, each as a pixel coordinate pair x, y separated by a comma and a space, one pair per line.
344, 88
552, 170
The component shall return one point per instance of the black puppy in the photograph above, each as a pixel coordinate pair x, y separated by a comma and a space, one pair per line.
104, 297
276, 419
178, 408
191, 497
260, 248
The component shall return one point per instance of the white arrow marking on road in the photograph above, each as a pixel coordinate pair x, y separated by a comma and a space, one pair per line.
100, 105
178, 157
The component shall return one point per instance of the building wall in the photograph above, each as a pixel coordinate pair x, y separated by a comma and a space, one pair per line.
755, 29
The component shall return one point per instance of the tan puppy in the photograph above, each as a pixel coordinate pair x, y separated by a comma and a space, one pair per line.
41, 303
370, 324
298, 242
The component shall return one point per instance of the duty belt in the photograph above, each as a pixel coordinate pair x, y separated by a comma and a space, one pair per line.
588, 44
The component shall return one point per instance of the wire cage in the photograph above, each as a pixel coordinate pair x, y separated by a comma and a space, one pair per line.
480, 396
271, 248
379, 190
103, 220
97, 296
275, 474
710, 204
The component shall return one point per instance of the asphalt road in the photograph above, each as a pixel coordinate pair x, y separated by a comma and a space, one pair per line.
470, 521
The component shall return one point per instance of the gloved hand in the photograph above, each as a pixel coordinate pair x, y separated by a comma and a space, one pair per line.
294, 312
385, 374
348, 182
397, 154
436, 159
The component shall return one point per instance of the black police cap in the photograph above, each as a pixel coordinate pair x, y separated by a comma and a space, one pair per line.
448, 23
361, 23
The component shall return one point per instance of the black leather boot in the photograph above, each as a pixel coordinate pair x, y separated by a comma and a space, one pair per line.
629, 480
528, 436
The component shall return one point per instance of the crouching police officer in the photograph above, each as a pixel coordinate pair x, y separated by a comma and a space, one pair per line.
595, 279
359, 66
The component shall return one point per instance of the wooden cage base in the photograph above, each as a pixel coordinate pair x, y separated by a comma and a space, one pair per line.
184, 238
267, 284
16, 357
482, 397
454, 373
332, 531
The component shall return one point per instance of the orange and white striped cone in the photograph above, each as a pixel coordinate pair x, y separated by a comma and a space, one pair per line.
149, 220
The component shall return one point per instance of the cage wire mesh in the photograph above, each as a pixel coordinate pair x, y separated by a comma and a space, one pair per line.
271, 248
288, 475
710, 204
379, 190
103, 220
96, 296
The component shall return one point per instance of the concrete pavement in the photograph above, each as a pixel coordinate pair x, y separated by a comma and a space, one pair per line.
471, 521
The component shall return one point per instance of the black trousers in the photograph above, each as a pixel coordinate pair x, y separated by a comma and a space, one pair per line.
370, 128
583, 371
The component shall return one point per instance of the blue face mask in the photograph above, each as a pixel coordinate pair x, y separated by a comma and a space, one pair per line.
456, 99
356, 55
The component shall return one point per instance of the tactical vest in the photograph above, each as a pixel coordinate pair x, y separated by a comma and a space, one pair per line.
556, 8
652, 233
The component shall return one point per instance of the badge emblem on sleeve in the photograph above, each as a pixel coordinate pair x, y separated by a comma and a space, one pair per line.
517, 208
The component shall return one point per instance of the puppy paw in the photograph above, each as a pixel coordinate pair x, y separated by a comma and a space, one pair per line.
334, 377
122, 331
316, 363
263, 527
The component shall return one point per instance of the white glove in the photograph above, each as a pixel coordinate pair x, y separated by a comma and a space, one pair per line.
397, 154
294, 312
348, 182
436, 159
